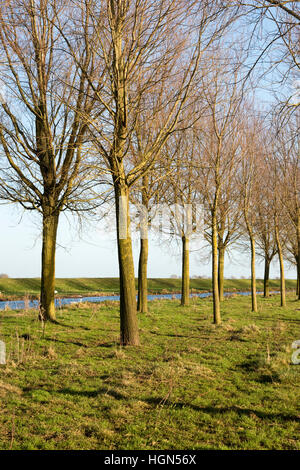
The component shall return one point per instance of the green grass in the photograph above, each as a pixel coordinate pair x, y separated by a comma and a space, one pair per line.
20, 287
191, 385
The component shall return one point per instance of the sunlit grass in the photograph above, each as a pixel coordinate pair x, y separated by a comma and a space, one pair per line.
20, 287
190, 385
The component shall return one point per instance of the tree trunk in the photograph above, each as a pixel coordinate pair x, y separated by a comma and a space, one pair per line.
215, 287
142, 280
47, 299
143, 259
298, 257
129, 333
221, 272
253, 277
267, 278
282, 279
185, 278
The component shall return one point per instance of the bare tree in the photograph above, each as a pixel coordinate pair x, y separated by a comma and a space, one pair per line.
146, 195
228, 216
274, 25
218, 139
141, 45
288, 159
291, 252
280, 221
250, 185
265, 234
182, 196
44, 160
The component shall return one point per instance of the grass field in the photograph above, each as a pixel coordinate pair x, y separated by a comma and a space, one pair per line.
21, 287
190, 385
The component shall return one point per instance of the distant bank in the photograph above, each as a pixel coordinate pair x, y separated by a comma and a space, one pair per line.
14, 288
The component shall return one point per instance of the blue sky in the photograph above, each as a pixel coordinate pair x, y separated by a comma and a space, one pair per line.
93, 252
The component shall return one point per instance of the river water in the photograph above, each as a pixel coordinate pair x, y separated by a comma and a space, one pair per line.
20, 304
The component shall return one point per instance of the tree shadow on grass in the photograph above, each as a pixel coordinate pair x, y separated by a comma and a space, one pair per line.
283, 319
222, 410
60, 323
173, 335
71, 327
107, 344
75, 343
94, 393
254, 365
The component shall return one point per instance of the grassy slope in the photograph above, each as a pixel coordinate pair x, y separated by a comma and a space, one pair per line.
191, 385
19, 287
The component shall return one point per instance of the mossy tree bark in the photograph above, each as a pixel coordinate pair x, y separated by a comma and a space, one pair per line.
185, 278
47, 298
129, 333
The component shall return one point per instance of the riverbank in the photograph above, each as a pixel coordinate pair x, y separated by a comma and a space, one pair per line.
17, 289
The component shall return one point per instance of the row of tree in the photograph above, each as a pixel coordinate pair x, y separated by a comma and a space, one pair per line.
133, 100
244, 176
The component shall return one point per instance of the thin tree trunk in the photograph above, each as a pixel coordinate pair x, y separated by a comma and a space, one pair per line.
221, 272
142, 280
185, 278
143, 258
282, 278
298, 278
129, 333
215, 288
267, 278
253, 277
298, 258
47, 298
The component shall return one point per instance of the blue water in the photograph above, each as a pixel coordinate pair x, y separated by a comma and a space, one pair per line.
20, 304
